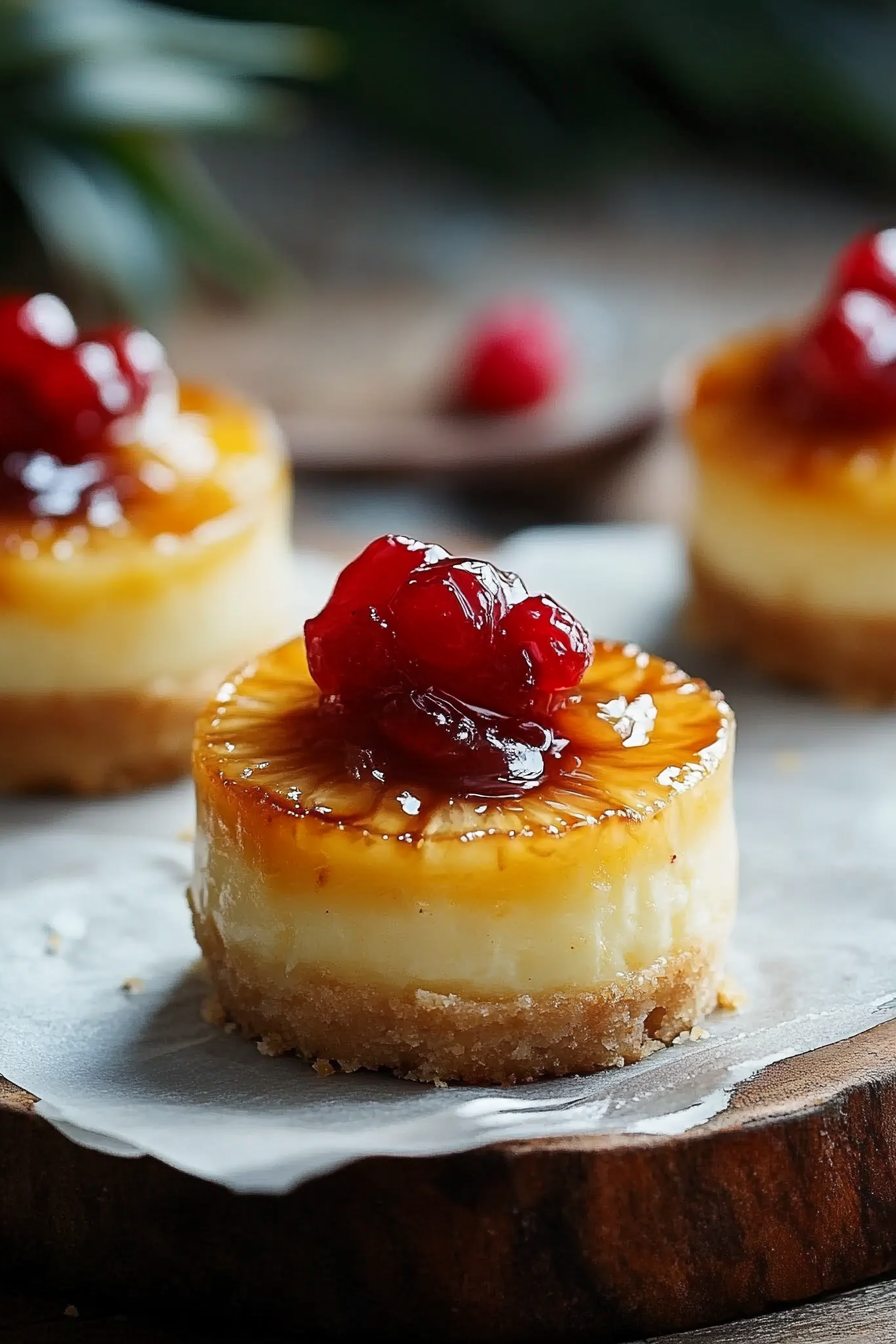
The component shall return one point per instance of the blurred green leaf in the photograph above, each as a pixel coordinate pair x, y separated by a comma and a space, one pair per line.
208, 230
93, 221
95, 97
149, 94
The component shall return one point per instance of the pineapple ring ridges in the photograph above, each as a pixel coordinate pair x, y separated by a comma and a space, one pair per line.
640, 732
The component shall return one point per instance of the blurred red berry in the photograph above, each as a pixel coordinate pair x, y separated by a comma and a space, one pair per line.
59, 393
140, 357
868, 263
847, 359
515, 357
32, 327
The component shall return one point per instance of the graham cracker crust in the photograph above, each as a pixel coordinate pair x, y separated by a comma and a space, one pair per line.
433, 1037
850, 658
98, 742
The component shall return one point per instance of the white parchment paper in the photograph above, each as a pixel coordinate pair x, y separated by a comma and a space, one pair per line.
100, 997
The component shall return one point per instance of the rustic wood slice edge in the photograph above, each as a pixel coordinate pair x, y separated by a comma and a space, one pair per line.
789, 1194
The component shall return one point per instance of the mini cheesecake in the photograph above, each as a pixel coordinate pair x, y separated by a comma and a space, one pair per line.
793, 543
135, 568
367, 900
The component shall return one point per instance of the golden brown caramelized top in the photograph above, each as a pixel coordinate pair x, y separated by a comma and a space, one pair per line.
200, 462
743, 416
636, 732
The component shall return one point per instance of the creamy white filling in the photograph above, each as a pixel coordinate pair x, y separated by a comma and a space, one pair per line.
201, 618
591, 917
790, 549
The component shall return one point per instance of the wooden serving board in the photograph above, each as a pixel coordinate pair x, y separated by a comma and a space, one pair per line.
788, 1194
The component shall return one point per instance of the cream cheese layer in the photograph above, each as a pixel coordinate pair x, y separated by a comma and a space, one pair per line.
143, 616
490, 916
791, 548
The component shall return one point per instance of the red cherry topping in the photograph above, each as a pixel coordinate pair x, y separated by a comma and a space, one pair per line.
847, 360
450, 659
515, 358
446, 615
549, 645
486, 754
30, 325
868, 263
349, 646
141, 358
60, 393
844, 365
373, 576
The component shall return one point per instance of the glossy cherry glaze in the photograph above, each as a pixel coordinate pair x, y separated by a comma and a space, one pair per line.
65, 400
843, 367
448, 662
869, 263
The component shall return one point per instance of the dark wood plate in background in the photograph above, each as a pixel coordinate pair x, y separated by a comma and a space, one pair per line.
358, 377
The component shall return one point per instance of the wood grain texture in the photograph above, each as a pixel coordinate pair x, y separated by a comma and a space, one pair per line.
790, 1194
862, 1316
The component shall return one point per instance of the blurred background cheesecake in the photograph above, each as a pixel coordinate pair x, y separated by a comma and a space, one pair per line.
144, 550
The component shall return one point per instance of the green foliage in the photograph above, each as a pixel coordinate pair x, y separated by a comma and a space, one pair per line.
95, 97
525, 88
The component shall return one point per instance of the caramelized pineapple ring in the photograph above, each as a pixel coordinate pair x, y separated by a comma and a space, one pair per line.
639, 731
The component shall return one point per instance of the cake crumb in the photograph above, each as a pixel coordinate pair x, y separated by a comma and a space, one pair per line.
133, 985
730, 996
54, 942
71, 1311
699, 1034
186, 833
323, 1068
788, 762
439, 1082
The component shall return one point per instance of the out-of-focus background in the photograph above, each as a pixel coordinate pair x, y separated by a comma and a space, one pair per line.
310, 199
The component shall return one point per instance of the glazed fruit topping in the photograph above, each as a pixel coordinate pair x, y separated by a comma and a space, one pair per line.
61, 392
845, 363
515, 358
869, 263
450, 660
